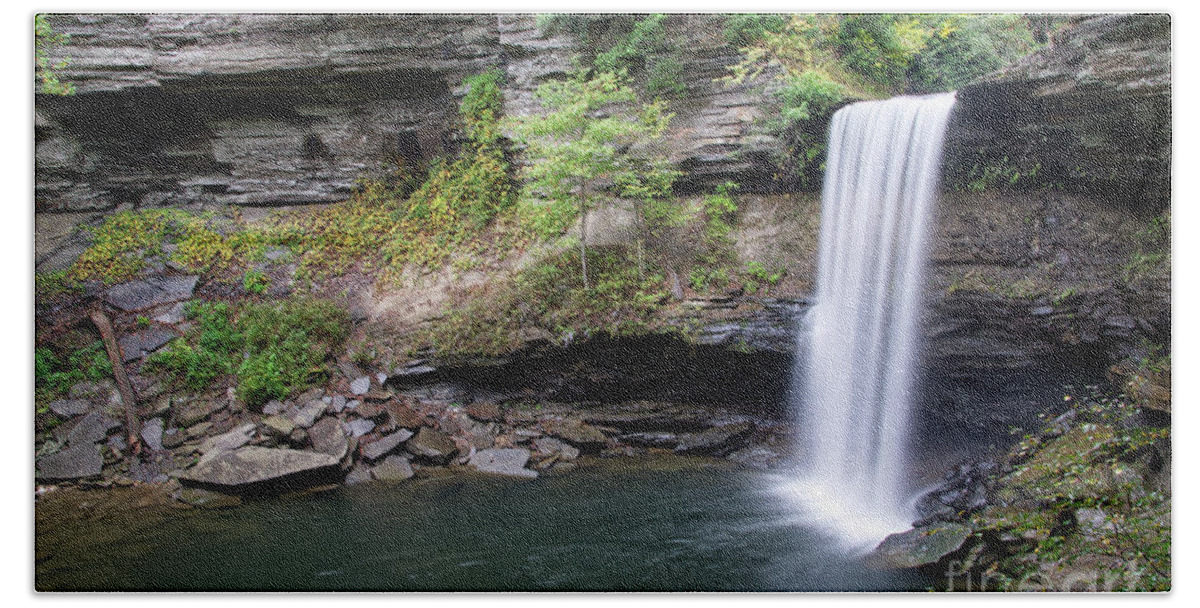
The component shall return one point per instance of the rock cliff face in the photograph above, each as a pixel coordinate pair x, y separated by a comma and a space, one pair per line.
176, 109
1090, 113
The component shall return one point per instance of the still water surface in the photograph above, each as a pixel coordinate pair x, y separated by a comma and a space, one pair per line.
618, 525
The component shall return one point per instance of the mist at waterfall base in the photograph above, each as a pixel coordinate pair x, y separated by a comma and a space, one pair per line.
860, 343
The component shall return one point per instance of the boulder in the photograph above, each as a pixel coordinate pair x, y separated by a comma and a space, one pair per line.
152, 434
278, 425
328, 437
75, 462
385, 445
920, 546
253, 464
359, 427
547, 447
432, 445
309, 413
360, 386
502, 461
357, 475
393, 468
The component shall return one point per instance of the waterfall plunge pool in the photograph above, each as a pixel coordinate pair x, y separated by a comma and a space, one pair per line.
644, 524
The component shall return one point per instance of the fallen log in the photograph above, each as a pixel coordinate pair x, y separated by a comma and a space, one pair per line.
128, 401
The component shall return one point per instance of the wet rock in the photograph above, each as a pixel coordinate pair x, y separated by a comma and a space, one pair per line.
385, 445
75, 462
92, 428
357, 475
207, 499
714, 440
502, 461
574, 431
652, 439
393, 468
70, 407
358, 427
328, 437
546, 447
152, 434
920, 546
273, 407
138, 344
151, 291
360, 386
253, 464
432, 445
760, 457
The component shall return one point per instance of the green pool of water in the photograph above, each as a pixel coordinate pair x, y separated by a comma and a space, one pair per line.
620, 525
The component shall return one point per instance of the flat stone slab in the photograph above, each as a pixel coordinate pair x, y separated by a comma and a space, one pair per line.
360, 386
232, 440
502, 461
71, 407
254, 464
385, 445
141, 343
433, 445
72, 463
151, 291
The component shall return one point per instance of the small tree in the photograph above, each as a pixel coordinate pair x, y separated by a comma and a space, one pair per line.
594, 136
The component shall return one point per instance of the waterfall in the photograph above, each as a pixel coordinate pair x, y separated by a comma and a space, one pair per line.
861, 339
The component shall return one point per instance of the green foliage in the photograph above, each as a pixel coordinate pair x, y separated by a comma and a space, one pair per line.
593, 135
1002, 173
745, 29
829, 58
491, 320
255, 281
715, 253
965, 47
55, 283
45, 45
274, 348
759, 277
1151, 257
55, 374
121, 245
647, 54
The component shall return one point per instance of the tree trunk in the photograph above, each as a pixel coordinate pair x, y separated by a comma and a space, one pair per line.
129, 403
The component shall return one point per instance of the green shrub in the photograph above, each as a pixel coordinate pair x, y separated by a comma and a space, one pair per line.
54, 375
255, 282
274, 348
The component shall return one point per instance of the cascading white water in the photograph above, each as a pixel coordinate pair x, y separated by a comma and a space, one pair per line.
861, 337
